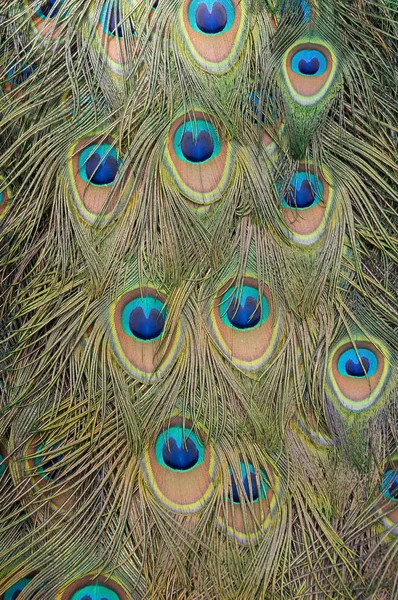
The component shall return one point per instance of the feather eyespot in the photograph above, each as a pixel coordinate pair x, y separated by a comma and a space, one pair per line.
46, 18
305, 190
94, 587
214, 31
15, 590
388, 500
46, 466
141, 339
251, 503
358, 374
245, 323
357, 363
254, 486
307, 204
18, 76
112, 22
179, 450
300, 9
309, 69
98, 165
49, 473
198, 158
389, 486
243, 309
310, 62
144, 318
180, 467
97, 191
116, 36
49, 8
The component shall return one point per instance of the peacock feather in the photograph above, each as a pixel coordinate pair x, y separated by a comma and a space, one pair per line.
198, 265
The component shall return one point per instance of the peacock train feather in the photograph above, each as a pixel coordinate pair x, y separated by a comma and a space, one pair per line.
198, 317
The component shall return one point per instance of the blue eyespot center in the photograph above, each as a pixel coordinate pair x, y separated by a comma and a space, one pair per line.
196, 141
47, 469
144, 318
213, 20
305, 190
197, 149
211, 17
50, 8
101, 170
112, 21
19, 74
309, 67
95, 592
179, 449
114, 25
301, 197
357, 368
180, 458
244, 316
389, 486
358, 363
2, 464
250, 486
310, 63
146, 327
301, 8
98, 165
244, 309
255, 486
